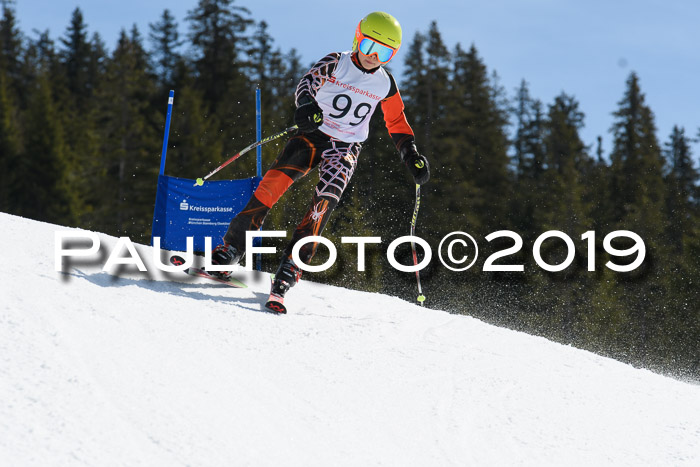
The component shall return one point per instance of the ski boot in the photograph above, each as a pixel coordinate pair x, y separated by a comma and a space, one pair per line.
288, 274
224, 255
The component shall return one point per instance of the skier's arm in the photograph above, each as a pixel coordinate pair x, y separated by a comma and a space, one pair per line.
395, 118
316, 76
402, 135
308, 115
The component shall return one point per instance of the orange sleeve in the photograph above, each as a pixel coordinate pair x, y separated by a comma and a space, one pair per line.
395, 118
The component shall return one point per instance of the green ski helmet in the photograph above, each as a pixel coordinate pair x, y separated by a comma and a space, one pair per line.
378, 33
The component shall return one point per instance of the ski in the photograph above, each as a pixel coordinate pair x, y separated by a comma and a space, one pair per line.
275, 304
200, 272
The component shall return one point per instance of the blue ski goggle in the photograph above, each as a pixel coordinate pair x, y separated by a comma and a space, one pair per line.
371, 47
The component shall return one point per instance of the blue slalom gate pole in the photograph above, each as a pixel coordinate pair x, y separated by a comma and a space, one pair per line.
258, 129
258, 134
164, 152
163, 155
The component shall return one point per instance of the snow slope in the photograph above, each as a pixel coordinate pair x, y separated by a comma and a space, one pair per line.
102, 370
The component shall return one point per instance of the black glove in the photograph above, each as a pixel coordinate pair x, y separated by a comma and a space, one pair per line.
308, 115
416, 164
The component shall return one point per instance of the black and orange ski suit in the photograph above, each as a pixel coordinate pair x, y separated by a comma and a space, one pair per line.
335, 159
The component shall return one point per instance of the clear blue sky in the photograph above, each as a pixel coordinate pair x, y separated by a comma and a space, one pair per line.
586, 49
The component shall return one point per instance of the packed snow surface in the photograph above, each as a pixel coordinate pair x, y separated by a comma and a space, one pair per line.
118, 368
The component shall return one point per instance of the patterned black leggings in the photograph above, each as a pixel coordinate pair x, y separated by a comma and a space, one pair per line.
336, 161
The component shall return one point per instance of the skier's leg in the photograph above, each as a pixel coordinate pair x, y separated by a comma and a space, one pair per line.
337, 166
297, 158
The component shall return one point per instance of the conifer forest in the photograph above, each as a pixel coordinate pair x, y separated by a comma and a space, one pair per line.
81, 129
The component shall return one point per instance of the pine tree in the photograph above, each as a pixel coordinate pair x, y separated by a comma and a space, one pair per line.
637, 179
41, 57
564, 206
528, 160
75, 79
268, 73
97, 62
45, 162
217, 32
523, 111
681, 180
195, 142
260, 53
683, 234
438, 69
478, 122
425, 85
414, 86
562, 203
11, 50
285, 73
293, 73
10, 175
76, 57
637, 188
129, 139
10, 91
165, 39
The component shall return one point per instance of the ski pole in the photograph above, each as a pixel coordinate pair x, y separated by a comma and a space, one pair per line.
200, 181
421, 297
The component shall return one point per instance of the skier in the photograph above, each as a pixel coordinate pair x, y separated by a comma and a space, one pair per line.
335, 101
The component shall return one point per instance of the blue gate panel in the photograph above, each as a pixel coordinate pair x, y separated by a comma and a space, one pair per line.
183, 210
